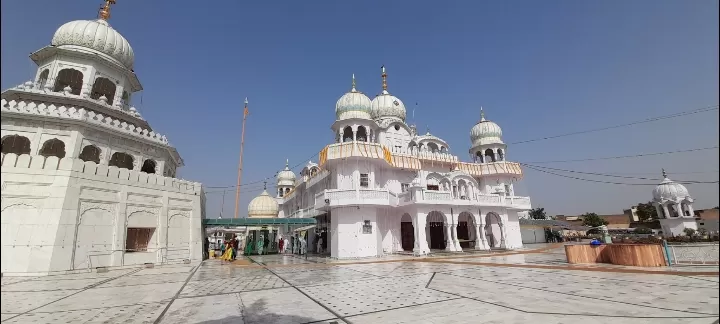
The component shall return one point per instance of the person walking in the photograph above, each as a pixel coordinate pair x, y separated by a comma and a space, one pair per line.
320, 245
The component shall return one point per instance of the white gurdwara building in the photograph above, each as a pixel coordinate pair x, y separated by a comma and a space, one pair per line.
86, 182
382, 188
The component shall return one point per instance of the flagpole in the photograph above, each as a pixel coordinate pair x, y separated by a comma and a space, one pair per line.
242, 145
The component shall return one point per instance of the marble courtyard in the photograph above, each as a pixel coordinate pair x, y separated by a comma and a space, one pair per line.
530, 286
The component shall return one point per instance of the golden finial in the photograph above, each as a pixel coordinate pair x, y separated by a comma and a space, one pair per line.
384, 78
105, 10
353, 83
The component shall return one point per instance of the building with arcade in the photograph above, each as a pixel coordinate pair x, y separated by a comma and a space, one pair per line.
382, 188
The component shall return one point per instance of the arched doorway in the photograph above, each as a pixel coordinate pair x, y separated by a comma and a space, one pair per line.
493, 232
407, 233
466, 230
435, 230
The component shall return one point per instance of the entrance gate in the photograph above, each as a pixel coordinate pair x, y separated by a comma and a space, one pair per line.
407, 236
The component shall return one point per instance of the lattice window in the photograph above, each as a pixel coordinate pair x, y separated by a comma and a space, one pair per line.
364, 180
138, 239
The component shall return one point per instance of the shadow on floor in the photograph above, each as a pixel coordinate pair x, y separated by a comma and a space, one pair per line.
258, 313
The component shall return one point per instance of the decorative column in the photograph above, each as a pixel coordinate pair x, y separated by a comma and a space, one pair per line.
341, 136
482, 238
691, 210
449, 243
666, 211
354, 130
503, 244
456, 241
479, 239
421, 247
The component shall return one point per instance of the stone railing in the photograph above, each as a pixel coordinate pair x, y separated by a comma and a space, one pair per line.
352, 197
119, 105
11, 162
72, 113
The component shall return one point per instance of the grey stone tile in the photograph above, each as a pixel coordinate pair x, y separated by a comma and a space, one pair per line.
284, 306
145, 313
208, 309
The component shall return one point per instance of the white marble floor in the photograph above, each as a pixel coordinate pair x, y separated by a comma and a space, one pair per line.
288, 289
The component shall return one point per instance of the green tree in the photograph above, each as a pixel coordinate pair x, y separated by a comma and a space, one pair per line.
646, 212
689, 231
593, 220
537, 213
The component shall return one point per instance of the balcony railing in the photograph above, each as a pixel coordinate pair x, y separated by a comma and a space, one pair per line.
384, 197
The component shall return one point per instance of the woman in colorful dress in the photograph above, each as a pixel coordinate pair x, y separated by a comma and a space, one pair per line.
227, 256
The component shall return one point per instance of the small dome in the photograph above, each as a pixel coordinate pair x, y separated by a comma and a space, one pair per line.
96, 36
387, 105
353, 104
263, 206
670, 190
485, 132
286, 177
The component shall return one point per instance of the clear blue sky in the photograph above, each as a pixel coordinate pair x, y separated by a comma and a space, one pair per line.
538, 67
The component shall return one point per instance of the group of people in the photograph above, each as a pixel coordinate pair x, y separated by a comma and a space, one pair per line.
294, 244
228, 249
259, 246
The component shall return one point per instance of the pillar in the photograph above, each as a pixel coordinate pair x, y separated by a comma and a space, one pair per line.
503, 244
421, 246
449, 243
456, 242
666, 211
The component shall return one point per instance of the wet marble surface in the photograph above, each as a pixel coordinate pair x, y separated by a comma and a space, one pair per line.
290, 289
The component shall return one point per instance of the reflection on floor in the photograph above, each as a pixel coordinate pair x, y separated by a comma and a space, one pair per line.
401, 289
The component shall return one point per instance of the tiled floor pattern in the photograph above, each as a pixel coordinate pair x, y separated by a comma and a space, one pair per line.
295, 290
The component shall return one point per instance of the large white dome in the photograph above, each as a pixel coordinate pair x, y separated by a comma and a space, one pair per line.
669, 190
263, 206
95, 36
486, 132
353, 104
387, 105
286, 177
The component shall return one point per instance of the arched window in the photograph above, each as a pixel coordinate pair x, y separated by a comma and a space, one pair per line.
53, 147
148, 166
432, 147
479, 157
16, 144
501, 155
287, 190
489, 156
361, 135
122, 160
90, 153
103, 87
43, 78
69, 78
347, 134
313, 172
